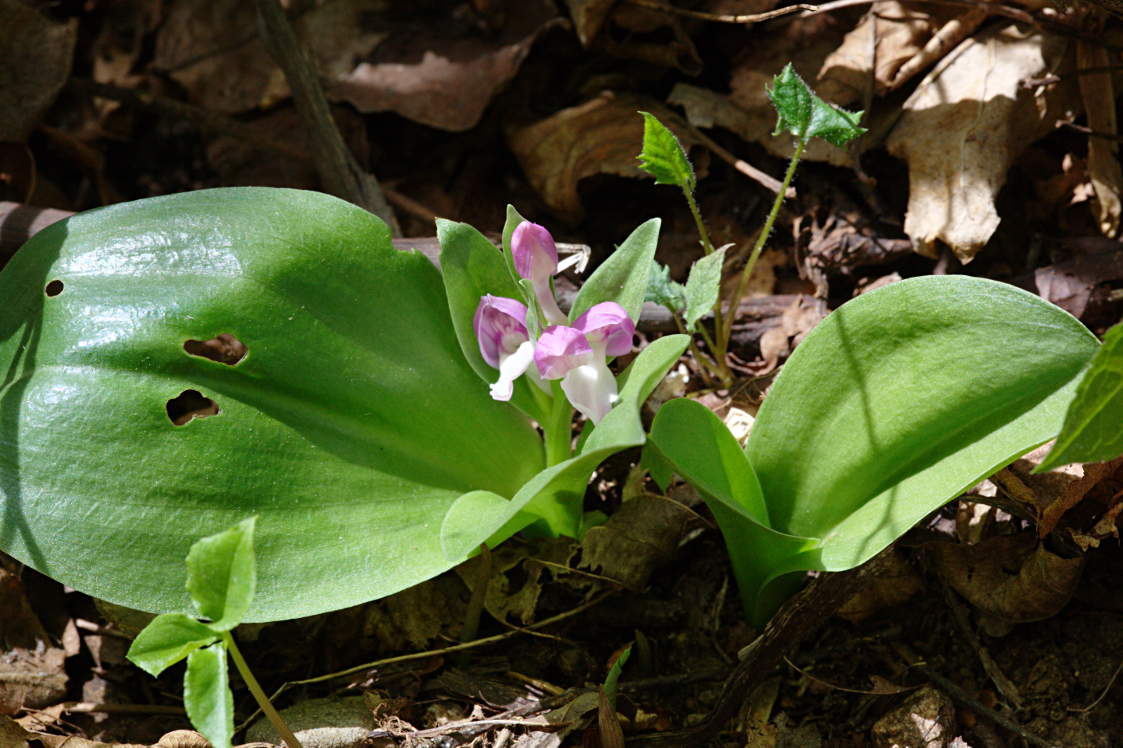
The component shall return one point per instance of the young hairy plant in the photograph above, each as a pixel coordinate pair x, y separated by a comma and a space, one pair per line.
803, 115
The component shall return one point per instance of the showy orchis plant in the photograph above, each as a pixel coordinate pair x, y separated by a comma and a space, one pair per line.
800, 113
254, 351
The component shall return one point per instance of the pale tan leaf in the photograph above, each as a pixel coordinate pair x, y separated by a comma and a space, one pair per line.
963, 128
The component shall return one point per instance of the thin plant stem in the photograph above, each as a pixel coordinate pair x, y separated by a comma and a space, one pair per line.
259, 696
557, 429
725, 322
707, 245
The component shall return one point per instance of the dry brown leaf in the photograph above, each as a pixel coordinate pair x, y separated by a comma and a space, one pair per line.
36, 54
443, 80
638, 538
1098, 94
601, 136
1070, 284
11, 734
588, 17
806, 43
886, 38
965, 125
1011, 577
212, 49
32, 668
897, 583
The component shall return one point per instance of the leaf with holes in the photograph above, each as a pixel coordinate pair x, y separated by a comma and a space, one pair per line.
171, 366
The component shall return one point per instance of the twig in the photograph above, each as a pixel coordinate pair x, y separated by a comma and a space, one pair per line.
764, 180
981, 709
436, 652
340, 173
1103, 693
800, 617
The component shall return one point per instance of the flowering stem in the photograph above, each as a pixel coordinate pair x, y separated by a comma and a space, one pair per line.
557, 429
725, 322
259, 696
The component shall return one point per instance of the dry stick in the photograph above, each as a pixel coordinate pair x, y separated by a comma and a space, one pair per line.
445, 650
800, 617
338, 169
765, 180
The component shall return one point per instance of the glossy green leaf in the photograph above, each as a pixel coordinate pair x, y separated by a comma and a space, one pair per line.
905, 397
703, 286
663, 156
623, 276
557, 491
472, 266
207, 697
166, 640
700, 448
514, 218
1093, 426
349, 428
895, 404
664, 291
221, 577
804, 115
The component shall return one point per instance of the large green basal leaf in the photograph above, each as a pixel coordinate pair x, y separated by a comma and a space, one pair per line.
350, 427
903, 398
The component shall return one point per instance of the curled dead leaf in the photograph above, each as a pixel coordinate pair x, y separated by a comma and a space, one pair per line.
1010, 577
441, 79
37, 53
601, 136
964, 126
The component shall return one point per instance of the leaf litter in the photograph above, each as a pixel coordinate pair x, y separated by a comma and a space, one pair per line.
974, 155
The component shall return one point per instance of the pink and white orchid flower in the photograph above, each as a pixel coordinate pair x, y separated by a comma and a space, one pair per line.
577, 356
536, 259
500, 326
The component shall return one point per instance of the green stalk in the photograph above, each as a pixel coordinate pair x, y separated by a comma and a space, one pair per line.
725, 323
558, 428
707, 246
259, 696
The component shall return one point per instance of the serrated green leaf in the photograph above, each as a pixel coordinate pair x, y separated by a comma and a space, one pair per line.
804, 115
663, 156
1093, 426
207, 697
703, 286
664, 291
166, 640
623, 277
221, 576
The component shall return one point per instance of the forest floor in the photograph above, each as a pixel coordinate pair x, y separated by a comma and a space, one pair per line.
992, 151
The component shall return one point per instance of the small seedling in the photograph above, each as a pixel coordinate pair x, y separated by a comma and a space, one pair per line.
221, 579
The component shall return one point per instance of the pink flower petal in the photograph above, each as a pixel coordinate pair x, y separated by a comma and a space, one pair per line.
560, 349
608, 325
500, 327
534, 251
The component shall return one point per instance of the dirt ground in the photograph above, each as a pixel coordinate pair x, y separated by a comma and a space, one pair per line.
976, 630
